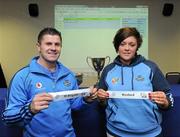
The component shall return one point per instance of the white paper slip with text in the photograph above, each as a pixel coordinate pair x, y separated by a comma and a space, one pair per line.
61, 95
129, 94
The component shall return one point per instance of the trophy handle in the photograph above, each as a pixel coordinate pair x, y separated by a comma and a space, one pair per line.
87, 60
107, 57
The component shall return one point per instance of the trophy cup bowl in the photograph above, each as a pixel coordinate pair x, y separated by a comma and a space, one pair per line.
97, 63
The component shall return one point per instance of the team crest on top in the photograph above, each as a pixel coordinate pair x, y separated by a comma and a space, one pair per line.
115, 80
67, 83
139, 78
38, 85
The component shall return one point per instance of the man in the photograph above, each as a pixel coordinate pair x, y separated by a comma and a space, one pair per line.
29, 103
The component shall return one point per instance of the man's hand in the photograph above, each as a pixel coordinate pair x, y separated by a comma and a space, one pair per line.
39, 102
93, 95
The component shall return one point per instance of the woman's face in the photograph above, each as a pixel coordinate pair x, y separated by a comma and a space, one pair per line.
127, 50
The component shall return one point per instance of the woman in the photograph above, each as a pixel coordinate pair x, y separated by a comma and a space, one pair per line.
132, 72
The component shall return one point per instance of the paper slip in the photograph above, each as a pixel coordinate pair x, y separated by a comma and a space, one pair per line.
129, 94
70, 94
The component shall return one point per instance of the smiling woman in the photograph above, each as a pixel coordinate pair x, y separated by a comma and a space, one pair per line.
132, 74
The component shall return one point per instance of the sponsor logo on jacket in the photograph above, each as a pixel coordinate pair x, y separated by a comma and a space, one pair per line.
67, 83
139, 78
115, 80
38, 85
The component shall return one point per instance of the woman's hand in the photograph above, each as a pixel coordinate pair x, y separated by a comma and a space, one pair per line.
102, 95
160, 98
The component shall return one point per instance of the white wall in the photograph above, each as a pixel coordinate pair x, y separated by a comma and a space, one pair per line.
18, 31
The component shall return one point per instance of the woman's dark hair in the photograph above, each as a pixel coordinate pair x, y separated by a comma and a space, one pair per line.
50, 31
124, 33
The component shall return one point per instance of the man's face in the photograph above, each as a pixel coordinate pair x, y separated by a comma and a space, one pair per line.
49, 48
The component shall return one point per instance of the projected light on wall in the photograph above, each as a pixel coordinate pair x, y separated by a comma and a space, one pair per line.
89, 31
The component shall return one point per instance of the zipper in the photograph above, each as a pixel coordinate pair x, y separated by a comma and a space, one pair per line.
132, 78
122, 76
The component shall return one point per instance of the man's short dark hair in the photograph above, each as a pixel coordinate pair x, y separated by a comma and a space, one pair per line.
50, 31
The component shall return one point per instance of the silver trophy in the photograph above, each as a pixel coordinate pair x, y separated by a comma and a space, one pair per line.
98, 64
